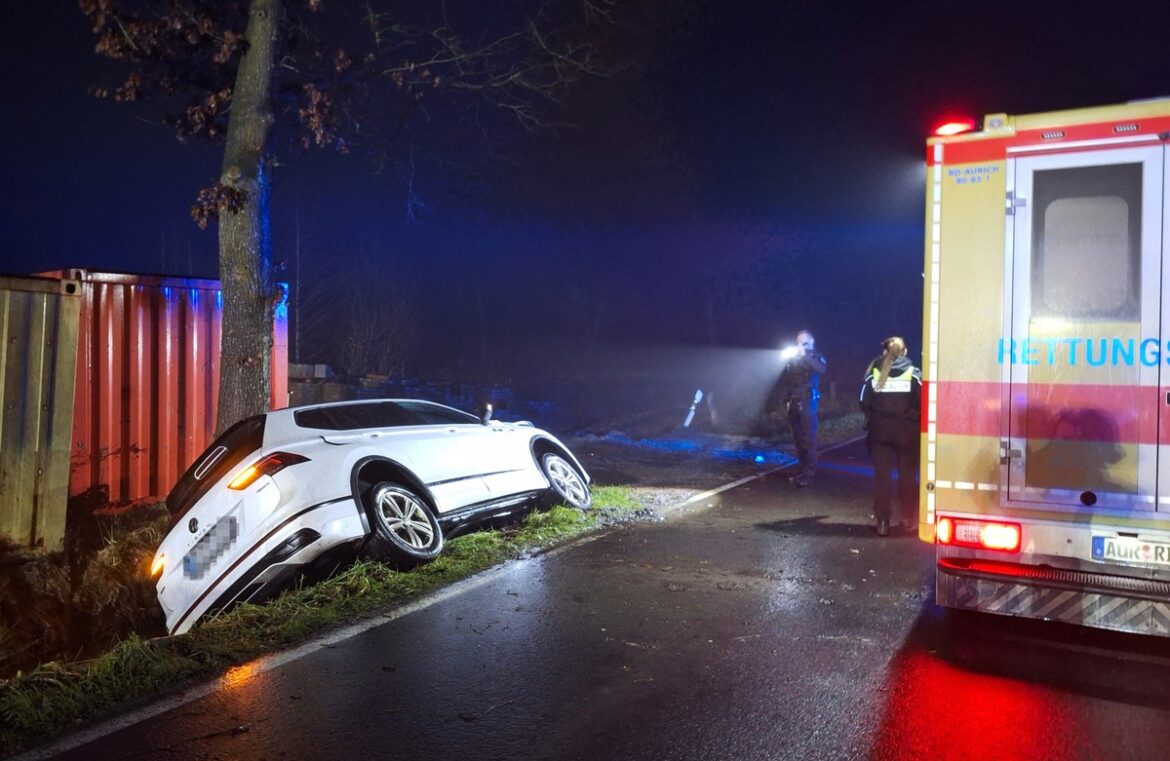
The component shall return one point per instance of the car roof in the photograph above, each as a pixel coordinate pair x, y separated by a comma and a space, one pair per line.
282, 423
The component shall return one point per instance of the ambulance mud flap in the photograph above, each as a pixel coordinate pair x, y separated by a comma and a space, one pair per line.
1140, 606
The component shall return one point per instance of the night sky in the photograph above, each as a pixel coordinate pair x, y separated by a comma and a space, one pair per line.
755, 169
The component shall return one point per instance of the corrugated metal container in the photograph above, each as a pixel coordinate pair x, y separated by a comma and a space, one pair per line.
38, 322
148, 380
109, 389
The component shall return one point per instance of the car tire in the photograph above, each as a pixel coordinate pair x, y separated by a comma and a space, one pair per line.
567, 484
405, 530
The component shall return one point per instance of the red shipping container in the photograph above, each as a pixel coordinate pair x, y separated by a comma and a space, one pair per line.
148, 380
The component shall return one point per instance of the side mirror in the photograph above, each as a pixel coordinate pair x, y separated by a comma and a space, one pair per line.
485, 413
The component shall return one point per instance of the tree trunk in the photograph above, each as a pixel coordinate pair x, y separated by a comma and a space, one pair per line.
249, 295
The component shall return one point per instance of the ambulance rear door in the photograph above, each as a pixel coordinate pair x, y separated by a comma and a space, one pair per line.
1085, 344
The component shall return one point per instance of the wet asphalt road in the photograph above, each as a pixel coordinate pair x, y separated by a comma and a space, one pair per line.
768, 622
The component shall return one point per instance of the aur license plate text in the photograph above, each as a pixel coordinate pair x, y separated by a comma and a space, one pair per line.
1125, 549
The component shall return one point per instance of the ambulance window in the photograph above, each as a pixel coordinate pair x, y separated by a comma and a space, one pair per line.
1086, 242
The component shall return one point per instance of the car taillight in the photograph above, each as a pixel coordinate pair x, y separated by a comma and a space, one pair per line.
273, 463
984, 535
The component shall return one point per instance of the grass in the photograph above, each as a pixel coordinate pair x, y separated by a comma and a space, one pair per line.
55, 697
840, 428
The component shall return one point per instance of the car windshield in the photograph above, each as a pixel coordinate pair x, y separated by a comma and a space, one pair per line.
383, 414
236, 443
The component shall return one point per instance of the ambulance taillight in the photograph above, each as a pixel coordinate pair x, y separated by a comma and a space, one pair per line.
981, 535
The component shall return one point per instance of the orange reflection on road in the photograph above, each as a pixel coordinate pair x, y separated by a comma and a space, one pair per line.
237, 675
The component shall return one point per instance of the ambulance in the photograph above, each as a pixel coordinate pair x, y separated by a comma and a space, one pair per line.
1046, 366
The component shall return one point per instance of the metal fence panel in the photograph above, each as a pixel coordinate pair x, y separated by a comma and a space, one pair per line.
39, 321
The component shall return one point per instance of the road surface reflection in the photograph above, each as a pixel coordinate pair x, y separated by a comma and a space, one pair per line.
977, 686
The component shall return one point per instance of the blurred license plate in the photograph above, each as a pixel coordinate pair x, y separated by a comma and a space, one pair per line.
208, 549
1126, 549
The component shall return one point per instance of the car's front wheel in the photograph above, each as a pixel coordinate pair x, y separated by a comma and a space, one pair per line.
406, 531
566, 482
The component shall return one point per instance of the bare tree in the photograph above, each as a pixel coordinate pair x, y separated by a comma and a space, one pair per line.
261, 79
381, 317
312, 286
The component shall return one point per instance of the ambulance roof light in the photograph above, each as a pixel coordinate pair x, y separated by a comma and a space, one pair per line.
954, 127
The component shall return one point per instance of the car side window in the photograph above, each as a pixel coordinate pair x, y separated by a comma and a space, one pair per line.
352, 417
437, 414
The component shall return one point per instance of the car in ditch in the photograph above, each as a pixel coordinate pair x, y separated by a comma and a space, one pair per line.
300, 490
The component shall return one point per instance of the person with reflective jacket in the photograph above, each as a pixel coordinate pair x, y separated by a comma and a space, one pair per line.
890, 397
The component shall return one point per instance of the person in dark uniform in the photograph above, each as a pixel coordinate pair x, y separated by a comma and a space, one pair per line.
798, 392
890, 396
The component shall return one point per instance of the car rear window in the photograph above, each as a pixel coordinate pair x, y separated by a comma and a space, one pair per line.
352, 417
227, 451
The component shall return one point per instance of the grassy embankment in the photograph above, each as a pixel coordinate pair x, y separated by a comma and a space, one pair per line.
57, 696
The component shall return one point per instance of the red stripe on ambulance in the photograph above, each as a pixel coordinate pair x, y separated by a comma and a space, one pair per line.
1065, 412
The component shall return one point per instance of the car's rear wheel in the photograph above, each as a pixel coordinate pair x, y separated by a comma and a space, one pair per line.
406, 531
567, 484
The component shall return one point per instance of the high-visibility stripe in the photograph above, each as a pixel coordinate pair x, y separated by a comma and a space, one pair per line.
906, 374
895, 384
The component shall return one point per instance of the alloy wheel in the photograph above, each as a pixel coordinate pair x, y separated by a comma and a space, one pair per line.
405, 517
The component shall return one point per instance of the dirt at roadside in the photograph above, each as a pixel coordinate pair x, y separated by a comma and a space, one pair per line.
665, 470
75, 604
688, 467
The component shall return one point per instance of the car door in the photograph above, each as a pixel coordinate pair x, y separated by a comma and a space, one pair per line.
448, 458
513, 468
453, 452
442, 447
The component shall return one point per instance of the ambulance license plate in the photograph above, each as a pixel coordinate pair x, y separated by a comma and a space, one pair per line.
1127, 550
